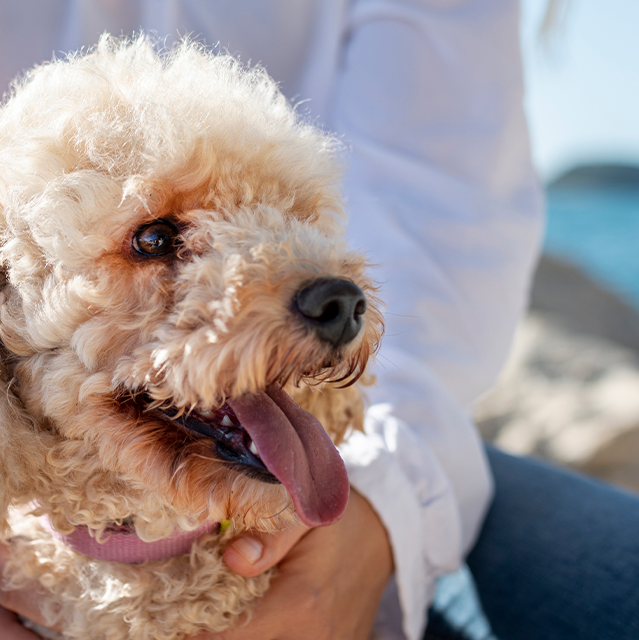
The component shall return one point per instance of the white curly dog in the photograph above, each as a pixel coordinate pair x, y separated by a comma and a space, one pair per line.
179, 317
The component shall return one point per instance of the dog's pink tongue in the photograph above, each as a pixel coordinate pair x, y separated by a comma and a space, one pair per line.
297, 451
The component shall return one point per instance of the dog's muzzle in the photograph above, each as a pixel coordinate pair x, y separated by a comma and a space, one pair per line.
332, 308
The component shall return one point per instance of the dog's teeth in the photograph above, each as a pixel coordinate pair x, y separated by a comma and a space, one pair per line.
226, 422
253, 449
207, 413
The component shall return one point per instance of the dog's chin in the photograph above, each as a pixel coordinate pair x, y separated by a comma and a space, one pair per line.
229, 440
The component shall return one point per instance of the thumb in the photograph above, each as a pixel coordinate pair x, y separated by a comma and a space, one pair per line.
253, 553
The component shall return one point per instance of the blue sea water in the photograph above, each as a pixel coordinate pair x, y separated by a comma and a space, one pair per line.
597, 229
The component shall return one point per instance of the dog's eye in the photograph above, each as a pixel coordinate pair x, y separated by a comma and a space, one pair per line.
158, 238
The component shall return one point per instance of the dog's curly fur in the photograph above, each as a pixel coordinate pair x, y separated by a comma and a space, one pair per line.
92, 148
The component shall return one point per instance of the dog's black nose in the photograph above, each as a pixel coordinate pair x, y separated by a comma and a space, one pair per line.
333, 308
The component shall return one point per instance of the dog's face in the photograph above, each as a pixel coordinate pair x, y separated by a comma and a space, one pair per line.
173, 262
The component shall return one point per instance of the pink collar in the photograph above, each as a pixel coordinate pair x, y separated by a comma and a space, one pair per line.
122, 544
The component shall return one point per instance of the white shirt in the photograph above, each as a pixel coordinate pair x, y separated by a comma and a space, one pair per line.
441, 194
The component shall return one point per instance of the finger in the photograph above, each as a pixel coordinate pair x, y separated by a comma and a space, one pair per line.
12, 629
253, 553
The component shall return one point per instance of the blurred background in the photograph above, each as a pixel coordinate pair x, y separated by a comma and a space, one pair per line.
570, 392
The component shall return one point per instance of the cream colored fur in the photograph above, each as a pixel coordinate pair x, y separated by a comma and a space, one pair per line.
91, 148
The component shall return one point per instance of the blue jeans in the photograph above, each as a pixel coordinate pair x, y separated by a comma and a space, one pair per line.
557, 559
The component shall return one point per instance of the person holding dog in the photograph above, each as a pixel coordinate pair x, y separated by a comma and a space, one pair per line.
441, 193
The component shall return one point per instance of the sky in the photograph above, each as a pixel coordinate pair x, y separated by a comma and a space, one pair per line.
582, 84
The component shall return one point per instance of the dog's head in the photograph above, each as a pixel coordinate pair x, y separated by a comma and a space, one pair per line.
174, 265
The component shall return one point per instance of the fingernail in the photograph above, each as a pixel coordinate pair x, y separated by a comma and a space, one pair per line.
249, 548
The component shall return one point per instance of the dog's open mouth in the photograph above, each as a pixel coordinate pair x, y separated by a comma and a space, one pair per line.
268, 436
232, 442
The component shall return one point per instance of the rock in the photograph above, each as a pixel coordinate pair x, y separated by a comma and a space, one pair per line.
568, 297
570, 390
597, 176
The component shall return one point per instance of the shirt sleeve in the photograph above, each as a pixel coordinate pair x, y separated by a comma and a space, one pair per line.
443, 198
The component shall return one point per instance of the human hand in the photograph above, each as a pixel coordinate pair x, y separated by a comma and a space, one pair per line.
329, 580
